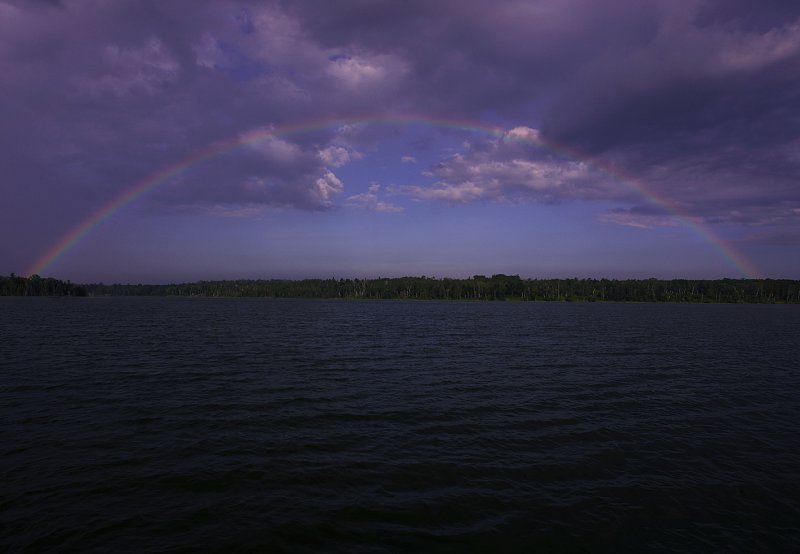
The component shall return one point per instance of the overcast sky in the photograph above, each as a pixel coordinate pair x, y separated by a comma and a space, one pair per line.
626, 138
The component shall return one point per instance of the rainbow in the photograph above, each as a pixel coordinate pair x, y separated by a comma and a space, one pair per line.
215, 150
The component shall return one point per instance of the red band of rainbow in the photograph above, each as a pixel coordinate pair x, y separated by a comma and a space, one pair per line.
164, 175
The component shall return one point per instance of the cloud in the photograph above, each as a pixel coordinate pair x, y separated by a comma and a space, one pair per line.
129, 71
237, 211
782, 236
695, 102
640, 218
269, 171
363, 71
691, 100
335, 156
369, 201
326, 186
512, 168
408, 159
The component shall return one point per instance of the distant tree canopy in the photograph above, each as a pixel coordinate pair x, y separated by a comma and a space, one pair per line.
38, 286
478, 287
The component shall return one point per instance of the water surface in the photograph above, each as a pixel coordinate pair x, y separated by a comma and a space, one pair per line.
169, 424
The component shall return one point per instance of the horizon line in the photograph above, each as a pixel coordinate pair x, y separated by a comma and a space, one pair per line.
406, 276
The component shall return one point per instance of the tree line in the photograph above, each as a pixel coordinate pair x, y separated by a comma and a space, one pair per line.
14, 285
478, 287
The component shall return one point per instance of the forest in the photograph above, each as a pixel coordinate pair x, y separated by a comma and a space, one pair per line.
34, 285
477, 288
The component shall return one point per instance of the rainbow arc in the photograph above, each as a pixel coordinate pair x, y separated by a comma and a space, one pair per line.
216, 150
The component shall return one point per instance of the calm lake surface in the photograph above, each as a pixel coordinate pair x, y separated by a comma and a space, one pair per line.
168, 424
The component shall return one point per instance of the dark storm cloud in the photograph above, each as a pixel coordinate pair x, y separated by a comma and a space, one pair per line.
104, 95
272, 172
742, 13
700, 100
691, 89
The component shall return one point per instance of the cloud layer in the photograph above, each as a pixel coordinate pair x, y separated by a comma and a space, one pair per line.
699, 100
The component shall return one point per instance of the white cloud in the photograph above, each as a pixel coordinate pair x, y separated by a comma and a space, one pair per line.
512, 167
360, 71
466, 191
369, 201
408, 160
274, 148
326, 186
235, 211
334, 156
629, 218
753, 51
523, 133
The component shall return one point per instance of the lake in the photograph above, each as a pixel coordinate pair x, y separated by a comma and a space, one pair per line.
184, 424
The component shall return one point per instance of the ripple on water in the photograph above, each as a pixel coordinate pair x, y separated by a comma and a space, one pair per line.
174, 424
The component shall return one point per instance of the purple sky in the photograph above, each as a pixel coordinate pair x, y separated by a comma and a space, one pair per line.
639, 138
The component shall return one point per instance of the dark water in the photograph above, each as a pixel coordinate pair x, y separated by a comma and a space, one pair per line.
173, 425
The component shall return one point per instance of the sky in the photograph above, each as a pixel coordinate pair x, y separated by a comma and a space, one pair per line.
161, 141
